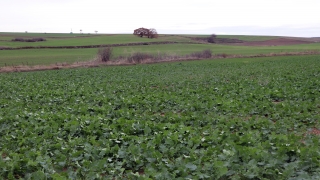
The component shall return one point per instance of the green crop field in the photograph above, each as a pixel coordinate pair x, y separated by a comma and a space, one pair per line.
245, 118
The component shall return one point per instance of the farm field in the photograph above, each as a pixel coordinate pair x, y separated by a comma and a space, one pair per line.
250, 38
184, 44
82, 39
51, 56
33, 57
182, 49
244, 118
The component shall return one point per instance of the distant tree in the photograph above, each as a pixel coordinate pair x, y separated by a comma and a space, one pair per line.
80, 31
150, 33
153, 33
212, 38
96, 31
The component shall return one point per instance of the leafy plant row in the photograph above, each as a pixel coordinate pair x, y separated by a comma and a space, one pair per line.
228, 119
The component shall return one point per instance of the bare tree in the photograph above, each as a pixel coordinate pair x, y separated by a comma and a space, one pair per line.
80, 31
96, 31
153, 33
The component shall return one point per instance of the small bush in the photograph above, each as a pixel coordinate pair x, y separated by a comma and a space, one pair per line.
38, 39
29, 40
212, 38
104, 54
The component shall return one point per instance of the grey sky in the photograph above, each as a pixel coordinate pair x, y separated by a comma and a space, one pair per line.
246, 17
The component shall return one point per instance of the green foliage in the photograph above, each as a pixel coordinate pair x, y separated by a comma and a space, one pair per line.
221, 119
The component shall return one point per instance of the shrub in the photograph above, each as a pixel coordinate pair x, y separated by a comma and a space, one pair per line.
38, 39
29, 40
212, 38
104, 54
153, 33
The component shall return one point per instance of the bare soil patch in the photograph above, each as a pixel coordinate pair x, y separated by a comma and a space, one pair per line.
314, 131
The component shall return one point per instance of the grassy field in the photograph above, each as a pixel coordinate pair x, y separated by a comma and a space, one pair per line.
217, 49
52, 56
253, 118
83, 40
45, 56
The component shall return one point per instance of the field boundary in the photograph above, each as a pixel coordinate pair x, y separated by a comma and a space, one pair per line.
96, 46
95, 63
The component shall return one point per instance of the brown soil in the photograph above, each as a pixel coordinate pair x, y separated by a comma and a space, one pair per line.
276, 42
314, 131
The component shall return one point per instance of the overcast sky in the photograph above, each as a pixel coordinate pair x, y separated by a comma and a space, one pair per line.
238, 17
